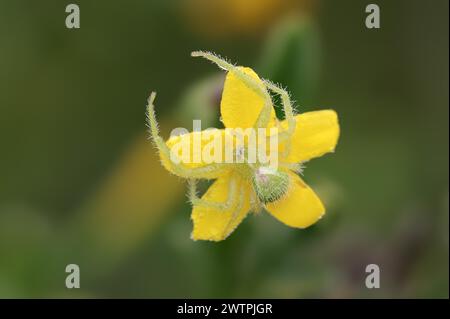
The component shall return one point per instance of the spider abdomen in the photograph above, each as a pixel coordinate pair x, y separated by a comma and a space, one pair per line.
270, 184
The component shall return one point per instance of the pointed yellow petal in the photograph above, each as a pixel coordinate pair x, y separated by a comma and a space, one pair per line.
300, 207
240, 105
316, 133
214, 224
197, 150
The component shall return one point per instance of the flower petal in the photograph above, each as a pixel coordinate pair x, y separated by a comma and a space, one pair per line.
214, 224
240, 105
185, 149
316, 133
300, 207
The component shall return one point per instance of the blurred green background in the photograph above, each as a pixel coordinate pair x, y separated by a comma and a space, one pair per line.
79, 182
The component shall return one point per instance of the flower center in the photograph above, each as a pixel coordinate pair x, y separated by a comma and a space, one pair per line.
270, 184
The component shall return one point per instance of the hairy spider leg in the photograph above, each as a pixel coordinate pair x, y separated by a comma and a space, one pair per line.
264, 116
196, 201
180, 168
238, 208
288, 113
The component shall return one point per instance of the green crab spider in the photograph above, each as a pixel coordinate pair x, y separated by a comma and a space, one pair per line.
192, 174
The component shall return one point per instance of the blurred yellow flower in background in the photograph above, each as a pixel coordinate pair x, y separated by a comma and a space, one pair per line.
221, 18
128, 206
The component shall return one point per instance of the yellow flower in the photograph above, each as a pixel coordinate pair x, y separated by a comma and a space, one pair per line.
243, 187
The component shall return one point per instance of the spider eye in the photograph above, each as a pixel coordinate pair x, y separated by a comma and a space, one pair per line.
270, 184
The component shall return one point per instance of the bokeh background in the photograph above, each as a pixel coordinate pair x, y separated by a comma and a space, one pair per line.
80, 183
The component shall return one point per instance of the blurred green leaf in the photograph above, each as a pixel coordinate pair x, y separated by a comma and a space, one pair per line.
291, 56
